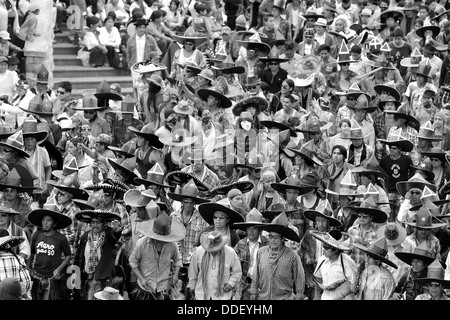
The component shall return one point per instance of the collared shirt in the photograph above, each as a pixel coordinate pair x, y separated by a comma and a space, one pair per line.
232, 274
427, 296
331, 272
155, 267
433, 244
377, 283
140, 47
40, 160
98, 126
10, 268
244, 249
276, 281
76, 229
194, 226
363, 237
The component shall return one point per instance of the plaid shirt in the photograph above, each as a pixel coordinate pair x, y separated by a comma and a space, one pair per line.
427, 296
363, 237
410, 134
243, 251
194, 227
75, 230
433, 245
10, 268
377, 283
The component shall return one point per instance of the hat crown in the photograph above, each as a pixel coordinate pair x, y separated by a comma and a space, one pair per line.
292, 181
162, 225
309, 149
254, 216
190, 189
71, 167
371, 190
356, 131
129, 163
391, 232
426, 130
103, 87
344, 53
255, 38
354, 88
369, 203
95, 198
425, 67
13, 178
110, 293
214, 238
15, 140
153, 212
435, 270
42, 75
348, 180
127, 104
379, 247
310, 179
324, 207
51, 204
30, 125
281, 219
37, 105
423, 217
155, 174
422, 249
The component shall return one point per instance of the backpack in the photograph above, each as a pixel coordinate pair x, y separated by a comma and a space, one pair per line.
119, 60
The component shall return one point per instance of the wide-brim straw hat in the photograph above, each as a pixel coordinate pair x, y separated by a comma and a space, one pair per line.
328, 239
312, 214
77, 193
35, 218
87, 215
240, 106
394, 233
243, 186
177, 231
108, 294
180, 178
435, 29
252, 219
11, 241
207, 211
212, 241
374, 255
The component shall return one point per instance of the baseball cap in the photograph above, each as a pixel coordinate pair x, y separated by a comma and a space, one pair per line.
13, 61
115, 88
226, 30
168, 112
104, 138
3, 59
233, 193
5, 35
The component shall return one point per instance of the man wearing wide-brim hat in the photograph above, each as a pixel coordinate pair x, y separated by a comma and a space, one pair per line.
48, 263
90, 107
98, 265
160, 237
435, 281
148, 148
278, 231
248, 248
334, 282
376, 281
121, 133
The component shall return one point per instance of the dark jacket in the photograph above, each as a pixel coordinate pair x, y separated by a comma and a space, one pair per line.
105, 267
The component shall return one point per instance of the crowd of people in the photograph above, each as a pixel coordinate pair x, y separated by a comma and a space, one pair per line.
270, 150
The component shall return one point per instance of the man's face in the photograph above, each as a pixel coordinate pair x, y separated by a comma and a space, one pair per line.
274, 66
140, 141
321, 224
325, 55
3, 67
422, 13
61, 94
89, 114
41, 87
398, 40
357, 142
364, 19
275, 12
253, 233
287, 105
211, 101
100, 147
140, 30
269, 23
5, 219
237, 201
360, 115
30, 143
97, 225
197, 166
356, 55
47, 223
291, 195
251, 53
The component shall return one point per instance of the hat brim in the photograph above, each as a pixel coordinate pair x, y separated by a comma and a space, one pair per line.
277, 125
83, 204
312, 214
244, 225
243, 186
375, 256
282, 187
236, 69
12, 241
207, 211
177, 109
269, 60
243, 104
117, 166
120, 151
224, 101
381, 104
42, 114
263, 48
378, 216
40, 135
362, 170
19, 189
406, 62
35, 218
108, 96
105, 187
198, 41
311, 161
367, 109
392, 242
286, 232
181, 178
216, 247
405, 145
179, 197
138, 67
20, 152
435, 29
75, 192
187, 141
424, 281
317, 16
177, 231
404, 186
407, 257
98, 295
87, 215
329, 241
150, 137
380, 88
147, 183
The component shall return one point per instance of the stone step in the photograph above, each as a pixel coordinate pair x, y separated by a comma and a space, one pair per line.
66, 60
70, 71
78, 93
62, 37
91, 83
64, 48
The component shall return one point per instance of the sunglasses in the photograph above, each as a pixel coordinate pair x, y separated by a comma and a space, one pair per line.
60, 92
219, 218
61, 194
251, 87
363, 215
7, 150
89, 112
273, 63
435, 285
4, 215
10, 190
415, 192
308, 37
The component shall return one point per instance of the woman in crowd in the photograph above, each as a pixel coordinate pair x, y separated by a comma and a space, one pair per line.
92, 43
110, 37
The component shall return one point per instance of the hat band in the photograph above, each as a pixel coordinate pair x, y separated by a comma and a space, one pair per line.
164, 232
